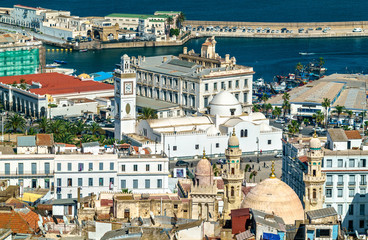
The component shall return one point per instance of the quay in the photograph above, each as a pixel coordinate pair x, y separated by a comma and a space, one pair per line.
277, 29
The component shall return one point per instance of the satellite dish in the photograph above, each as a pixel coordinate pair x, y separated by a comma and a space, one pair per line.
46, 228
41, 227
39, 216
66, 222
61, 231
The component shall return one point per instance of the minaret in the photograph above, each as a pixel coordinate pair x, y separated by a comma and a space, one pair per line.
232, 177
125, 98
314, 180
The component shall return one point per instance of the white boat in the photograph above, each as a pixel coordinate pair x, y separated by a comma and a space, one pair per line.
53, 65
306, 53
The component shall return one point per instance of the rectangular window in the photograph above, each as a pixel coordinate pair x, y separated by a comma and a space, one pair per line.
340, 180
101, 166
196, 146
58, 196
339, 192
135, 183
159, 167
111, 181
90, 182
215, 86
362, 163
100, 182
217, 145
206, 87
230, 84
351, 162
351, 225
351, 192
340, 162
237, 83
20, 168
147, 167
59, 166
269, 142
362, 192
329, 163
47, 168
361, 223
90, 166
351, 179
123, 168
70, 195
69, 166
175, 148
159, 183
328, 192
245, 83
123, 184
351, 209
245, 97
7, 168
80, 182
147, 183
329, 180
111, 166
363, 180
80, 167
135, 167
362, 209
34, 168
222, 85
339, 209
70, 182
58, 182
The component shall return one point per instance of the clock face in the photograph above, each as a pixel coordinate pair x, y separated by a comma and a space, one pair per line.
128, 88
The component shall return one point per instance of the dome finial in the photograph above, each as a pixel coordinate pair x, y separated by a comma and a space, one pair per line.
234, 132
204, 154
315, 133
273, 175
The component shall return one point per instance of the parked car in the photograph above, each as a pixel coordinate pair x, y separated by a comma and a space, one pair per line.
278, 155
221, 161
279, 120
182, 163
357, 30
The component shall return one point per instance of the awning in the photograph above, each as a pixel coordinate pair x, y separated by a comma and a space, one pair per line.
270, 236
30, 197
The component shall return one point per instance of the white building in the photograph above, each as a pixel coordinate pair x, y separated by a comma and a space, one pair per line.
345, 166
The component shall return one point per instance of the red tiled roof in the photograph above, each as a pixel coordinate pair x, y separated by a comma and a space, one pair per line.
240, 212
15, 222
353, 134
31, 218
16, 203
107, 202
246, 190
56, 83
44, 140
103, 216
67, 144
303, 159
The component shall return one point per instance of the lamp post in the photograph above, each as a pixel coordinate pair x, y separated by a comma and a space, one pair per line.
257, 149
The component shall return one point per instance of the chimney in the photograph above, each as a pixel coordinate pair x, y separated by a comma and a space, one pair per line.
227, 58
164, 59
185, 50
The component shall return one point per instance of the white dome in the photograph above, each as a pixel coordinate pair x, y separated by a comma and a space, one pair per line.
265, 127
224, 103
212, 130
257, 116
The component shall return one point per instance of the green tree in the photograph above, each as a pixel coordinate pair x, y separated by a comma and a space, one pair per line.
293, 127
15, 123
326, 104
319, 117
306, 121
256, 107
299, 67
87, 138
174, 31
95, 129
31, 131
321, 61
180, 19
147, 113
350, 115
276, 112
339, 110
43, 124
246, 169
80, 127
169, 22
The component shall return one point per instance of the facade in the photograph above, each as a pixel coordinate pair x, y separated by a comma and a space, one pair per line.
20, 55
192, 81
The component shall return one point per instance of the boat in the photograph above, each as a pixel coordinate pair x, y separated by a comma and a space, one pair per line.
306, 53
52, 65
60, 62
83, 50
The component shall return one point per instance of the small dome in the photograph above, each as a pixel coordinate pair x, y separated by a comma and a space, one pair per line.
212, 130
257, 116
225, 104
203, 172
274, 196
233, 141
264, 127
315, 143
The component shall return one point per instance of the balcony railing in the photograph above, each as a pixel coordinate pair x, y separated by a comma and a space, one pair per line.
352, 183
340, 183
329, 183
363, 183
26, 173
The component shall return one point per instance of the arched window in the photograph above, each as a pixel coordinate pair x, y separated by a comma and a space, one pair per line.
232, 191
245, 133
314, 193
242, 133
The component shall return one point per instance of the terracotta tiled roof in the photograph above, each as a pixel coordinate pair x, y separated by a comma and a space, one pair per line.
303, 159
246, 190
103, 216
31, 218
353, 134
16, 203
44, 140
15, 222
56, 83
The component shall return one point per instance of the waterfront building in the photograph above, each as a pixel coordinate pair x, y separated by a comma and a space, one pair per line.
192, 80
51, 94
20, 55
338, 88
344, 164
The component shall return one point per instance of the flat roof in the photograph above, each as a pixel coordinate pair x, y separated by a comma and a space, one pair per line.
57, 83
155, 104
130, 15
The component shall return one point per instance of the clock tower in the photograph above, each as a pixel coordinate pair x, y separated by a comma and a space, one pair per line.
125, 98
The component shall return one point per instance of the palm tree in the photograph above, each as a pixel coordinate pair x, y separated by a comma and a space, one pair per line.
216, 171
31, 131
169, 22
338, 110
43, 124
319, 117
180, 19
286, 104
87, 138
15, 123
264, 99
276, 112
268, 107
147, 113
256, 107
306, 121
246, 169
350, 115
80, 127
362, 115
95, 128
253, 176
294, 127
326, 104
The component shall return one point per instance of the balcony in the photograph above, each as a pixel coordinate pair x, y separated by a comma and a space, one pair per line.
26, 174
352, 183
363, 183
340, 183
329, 183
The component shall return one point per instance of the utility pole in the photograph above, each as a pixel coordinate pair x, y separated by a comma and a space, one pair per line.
2, 128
